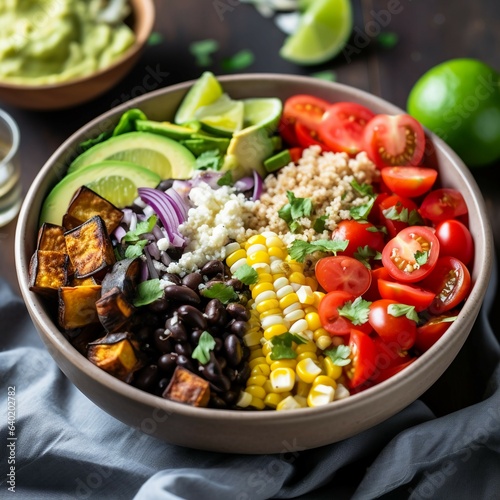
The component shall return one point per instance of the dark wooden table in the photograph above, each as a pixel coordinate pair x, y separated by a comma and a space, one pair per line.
428, 33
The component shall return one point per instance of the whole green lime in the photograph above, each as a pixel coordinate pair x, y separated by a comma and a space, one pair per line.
459, 100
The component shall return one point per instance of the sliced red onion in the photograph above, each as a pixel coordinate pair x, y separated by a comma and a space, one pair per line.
210, 177
153, 250
119, 233
179, 203
153, 273
127, 215
144, 276
257, 188
133, 222
244, 184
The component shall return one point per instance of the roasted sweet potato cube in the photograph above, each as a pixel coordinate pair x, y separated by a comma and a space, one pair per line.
114, 310
48, 271
115, 353
124, 275
77, 306
81, 337
85, 204
188, 388
89, 247
51, 237
88, 281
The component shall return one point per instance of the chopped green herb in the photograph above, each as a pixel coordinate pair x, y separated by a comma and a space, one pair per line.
300, 249
398, 310
356, 312
361, 212
226, 179
415, 219
366, 254
210, 159
362, 189
136, 249
393, 213
320, 223
141, 228
241, 60
202, 350
295, 209
147, 292
282, 345
155, 38
220, 291
339, 355
247, 274
328, 75
387, 39
202, 51
421, 257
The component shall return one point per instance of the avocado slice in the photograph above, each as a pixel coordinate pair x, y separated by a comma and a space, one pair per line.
164, 156
168, 129
117, 181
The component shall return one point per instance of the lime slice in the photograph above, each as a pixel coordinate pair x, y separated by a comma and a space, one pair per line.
205, 90
262, 112
223, 117
323, 31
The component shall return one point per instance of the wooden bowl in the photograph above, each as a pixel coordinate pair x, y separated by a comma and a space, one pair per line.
73, 92
253, 431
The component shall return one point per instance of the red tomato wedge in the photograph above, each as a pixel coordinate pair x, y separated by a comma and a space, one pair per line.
455, 239
305, 109
394, 140
429, 333
405, 293
409, 181
392, 370
363, 354
343, 273
450, 281
441, 204
308, 137
397, 212
343, 125
360, 234
377, 274
331, 319
389, 354
412, 254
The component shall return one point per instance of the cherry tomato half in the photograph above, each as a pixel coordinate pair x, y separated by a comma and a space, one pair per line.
392, 370
286, 129
405, 293
441, 204
396, 213
389, 354
380, 273
429, 333
455, 240
397, 329
359, 234
409, 181
412, 254
344, 273
330, 318
363, 353
342, 126
450, 281
308, 137
394, 140
305, 109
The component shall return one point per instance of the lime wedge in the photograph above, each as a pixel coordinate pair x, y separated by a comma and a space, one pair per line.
262, 112
323, 31
222, 117
205, 90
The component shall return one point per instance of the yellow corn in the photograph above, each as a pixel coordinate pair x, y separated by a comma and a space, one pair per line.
235, 257
260, 287
324, 342
324, 380
282, 363
273, 399
320, 395
257, 403
256, 391
306, 355
261, 369
259, 380
331, 369
307, 370
274, 330
282, 379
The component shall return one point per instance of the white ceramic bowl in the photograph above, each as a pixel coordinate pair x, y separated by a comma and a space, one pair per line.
265, 431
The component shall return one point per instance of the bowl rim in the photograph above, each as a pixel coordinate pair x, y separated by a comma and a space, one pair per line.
130, 53
468, 312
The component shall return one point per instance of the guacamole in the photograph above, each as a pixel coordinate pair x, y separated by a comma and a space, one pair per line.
49, 41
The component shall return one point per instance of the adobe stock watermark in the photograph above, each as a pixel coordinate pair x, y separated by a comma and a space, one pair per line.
380, 19
221, 7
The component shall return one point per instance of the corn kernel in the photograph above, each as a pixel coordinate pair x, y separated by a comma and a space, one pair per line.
301, 400
331, 369
313, 321
231, 247
258, 380
288, 300
305, 295
261, 268
256, 361
324, 380
309, 309
274, 330
261, 369
295, 267
244, 399
264, 277
307, 347
273, 399
256, 239
256, 247
312, 283
267, 305
276, 252
319, 332
258, 257
265, 295
236, 256
307, 370
289, 403
261, 287
280, 282
274, 241
267, 347
237, 265
283, 291
292, 308
302, 388
297, 277
320, 395
272, 312
252, 338
317, 298
299, 326
257, 403
306, 355
282, 379
256, 391
341, 392
256, 353
276, 319
324, 342
282, 363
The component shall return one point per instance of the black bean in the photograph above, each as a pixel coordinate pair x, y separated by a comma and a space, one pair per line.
184, 349
159, 305
194, 338
219, 344
173, 278
230, 397
217, 402
213, 268
239, 328
211, 371
222, 384
230, 373
162, 385
176, 329
237, 311
192, 317
232, 347
168, 362
143, 334
165, 184
147, 377
162, 340
182, 294
175, 253
193, 281
236, 284
216, 313
243, 374
222, 362
185, 362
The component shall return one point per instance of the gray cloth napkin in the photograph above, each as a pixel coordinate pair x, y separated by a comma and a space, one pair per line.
67, 448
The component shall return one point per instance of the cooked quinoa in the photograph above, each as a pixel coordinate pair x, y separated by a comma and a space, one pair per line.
326, 179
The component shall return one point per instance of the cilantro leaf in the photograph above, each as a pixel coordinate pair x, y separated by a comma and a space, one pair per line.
247, 274
147, 292
366, 254
136, 249
226, 179
300, 249
142, 227
282, 345
220, 291
356, 312
295, 209
415, 219
320, 223
361, 212
393, 213
206, 343
210, 159
363, 189
398, 310
339, 355
421, 257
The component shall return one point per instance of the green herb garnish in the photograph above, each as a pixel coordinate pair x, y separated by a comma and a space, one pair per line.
147, 292
356, 312
136, 249
226, 179
300, 249
398, 310
320, 223
202, 350
246, 274
210, 159
220, 291
421, 258
142, 227
282, 346
339, 355
294, 210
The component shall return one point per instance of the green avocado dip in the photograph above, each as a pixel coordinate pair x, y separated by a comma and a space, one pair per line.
49, 41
